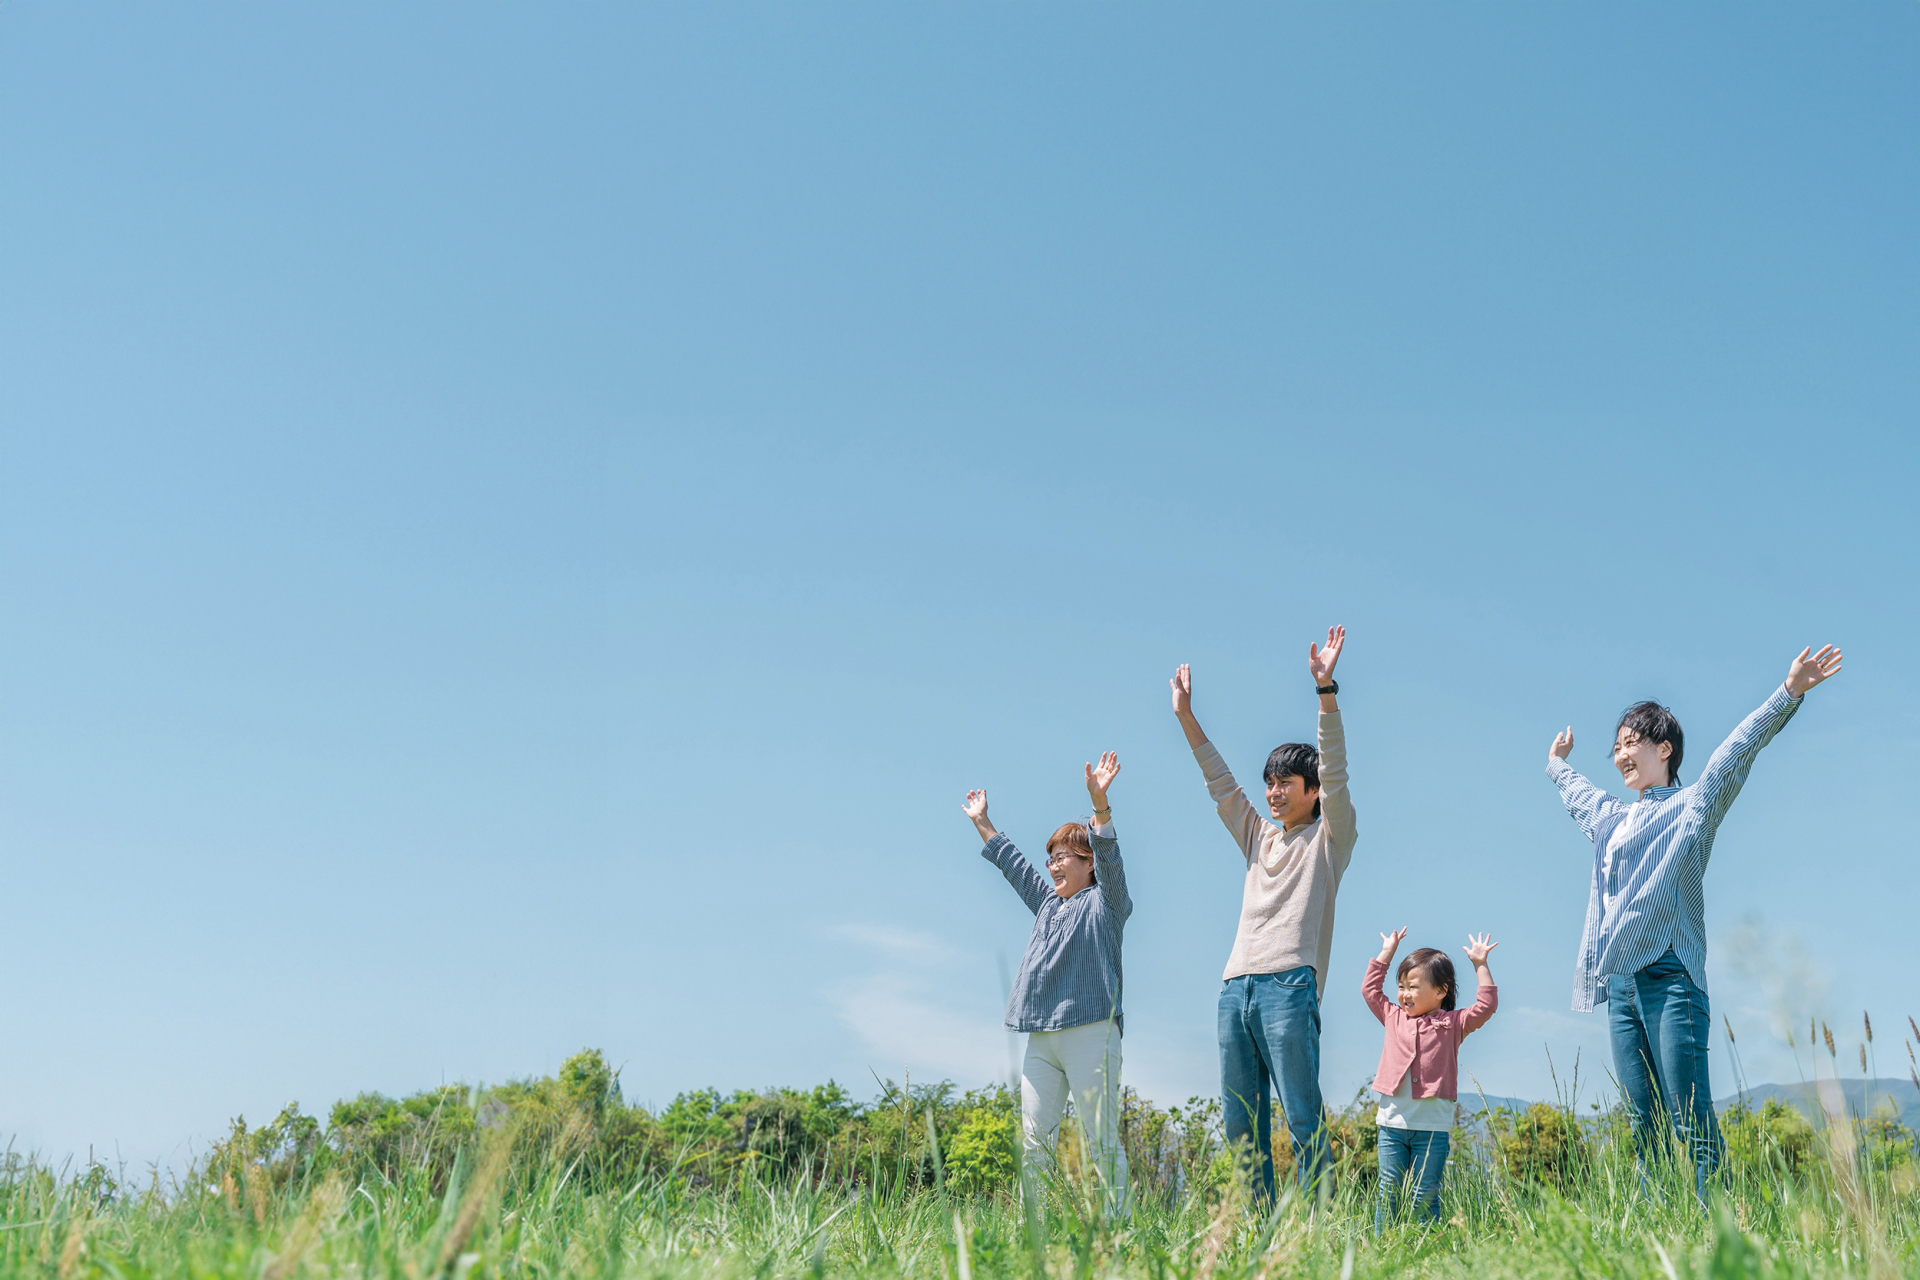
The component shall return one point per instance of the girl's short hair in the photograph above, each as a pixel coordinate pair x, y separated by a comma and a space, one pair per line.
1436, 967
1072, 836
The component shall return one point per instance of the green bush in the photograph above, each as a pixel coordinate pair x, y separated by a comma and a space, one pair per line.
1542, 1145
981, 1154
1776, 1136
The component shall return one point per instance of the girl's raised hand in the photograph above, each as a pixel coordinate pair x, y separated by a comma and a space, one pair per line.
1562, 744
976, 805
1390, 943
1479, 947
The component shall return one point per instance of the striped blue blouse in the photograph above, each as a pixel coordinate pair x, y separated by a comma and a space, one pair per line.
1650, 897
1070, 974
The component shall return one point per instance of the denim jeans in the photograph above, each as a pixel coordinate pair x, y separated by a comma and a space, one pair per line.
1418, 1156
1270, 1037
1660, 1024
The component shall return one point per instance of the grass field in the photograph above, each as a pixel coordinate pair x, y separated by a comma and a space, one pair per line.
558, 1177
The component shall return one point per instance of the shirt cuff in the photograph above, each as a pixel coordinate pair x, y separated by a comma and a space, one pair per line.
1102, 829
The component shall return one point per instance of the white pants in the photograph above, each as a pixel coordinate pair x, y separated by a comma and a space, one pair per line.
1086, 1061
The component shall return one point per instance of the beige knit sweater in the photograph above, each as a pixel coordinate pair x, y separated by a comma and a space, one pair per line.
1286, 907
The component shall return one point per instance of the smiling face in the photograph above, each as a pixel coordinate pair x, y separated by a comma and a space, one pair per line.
1642, 762
1290, 800
1071, 871
1419, 997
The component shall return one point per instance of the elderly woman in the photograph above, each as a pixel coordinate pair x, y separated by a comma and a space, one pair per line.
1066, 996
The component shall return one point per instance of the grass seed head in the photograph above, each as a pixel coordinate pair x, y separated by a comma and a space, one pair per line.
1866, 1018
1827, 1031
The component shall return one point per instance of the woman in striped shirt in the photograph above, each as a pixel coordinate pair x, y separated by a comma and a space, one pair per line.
1644, 949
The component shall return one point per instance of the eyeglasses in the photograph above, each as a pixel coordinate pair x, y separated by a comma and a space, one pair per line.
1055, 859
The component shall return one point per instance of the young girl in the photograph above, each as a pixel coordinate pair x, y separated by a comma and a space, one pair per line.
1420, 1064
1067, 993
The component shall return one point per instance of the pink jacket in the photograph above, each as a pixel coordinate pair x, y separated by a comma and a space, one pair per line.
1430, 1045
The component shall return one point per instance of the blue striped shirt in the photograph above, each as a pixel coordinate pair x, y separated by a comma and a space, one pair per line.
1070, 974
1649, 896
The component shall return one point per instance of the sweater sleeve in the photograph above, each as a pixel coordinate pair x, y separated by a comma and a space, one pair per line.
1229, 800
1013, 864
1336, 802
1375, 996
1484, 1003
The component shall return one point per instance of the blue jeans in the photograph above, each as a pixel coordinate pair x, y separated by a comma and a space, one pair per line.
1270, 1037
1416, 1154
1660, 1024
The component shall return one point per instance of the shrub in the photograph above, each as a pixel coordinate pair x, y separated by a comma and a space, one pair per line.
1776, 1136
981, 1155
1542, 1145
1170, 1151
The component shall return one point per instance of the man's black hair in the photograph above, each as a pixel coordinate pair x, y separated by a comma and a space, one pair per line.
1651, 722
1295, 760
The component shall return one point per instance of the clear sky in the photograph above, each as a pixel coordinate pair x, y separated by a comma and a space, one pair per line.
520, 524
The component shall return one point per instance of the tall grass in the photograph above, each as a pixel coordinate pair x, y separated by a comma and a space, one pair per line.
531, 1189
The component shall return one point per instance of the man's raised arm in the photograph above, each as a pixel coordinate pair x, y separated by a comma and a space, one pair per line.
1228, 798
1336, 802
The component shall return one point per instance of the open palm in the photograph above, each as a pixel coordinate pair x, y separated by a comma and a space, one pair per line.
1101, 776
1321, 660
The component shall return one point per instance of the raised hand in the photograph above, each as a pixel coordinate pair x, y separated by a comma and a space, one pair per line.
1810, 668
1390, 943
1182, 683
1098, 780
1321, 661
976, 809
1562, 744
1479, 947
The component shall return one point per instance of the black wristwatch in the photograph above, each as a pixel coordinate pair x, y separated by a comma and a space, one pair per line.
1331, 686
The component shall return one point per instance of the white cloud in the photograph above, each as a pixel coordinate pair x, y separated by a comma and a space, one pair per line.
901, 1027
893, 1008
901, 944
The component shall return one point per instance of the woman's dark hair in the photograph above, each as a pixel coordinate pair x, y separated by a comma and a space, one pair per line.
1295, 760
1651, 722
1436, 967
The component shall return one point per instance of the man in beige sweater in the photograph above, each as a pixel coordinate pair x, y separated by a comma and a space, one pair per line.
1269, 1024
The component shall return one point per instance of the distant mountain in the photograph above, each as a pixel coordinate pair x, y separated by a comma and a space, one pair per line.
1862, 1098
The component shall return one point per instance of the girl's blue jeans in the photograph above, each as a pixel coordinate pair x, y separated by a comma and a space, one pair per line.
1417, 1157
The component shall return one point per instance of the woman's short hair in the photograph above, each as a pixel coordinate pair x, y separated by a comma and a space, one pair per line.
1436, 967
1073, 837
1651, 722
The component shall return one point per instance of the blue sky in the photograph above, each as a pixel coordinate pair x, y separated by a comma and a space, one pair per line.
520, 525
